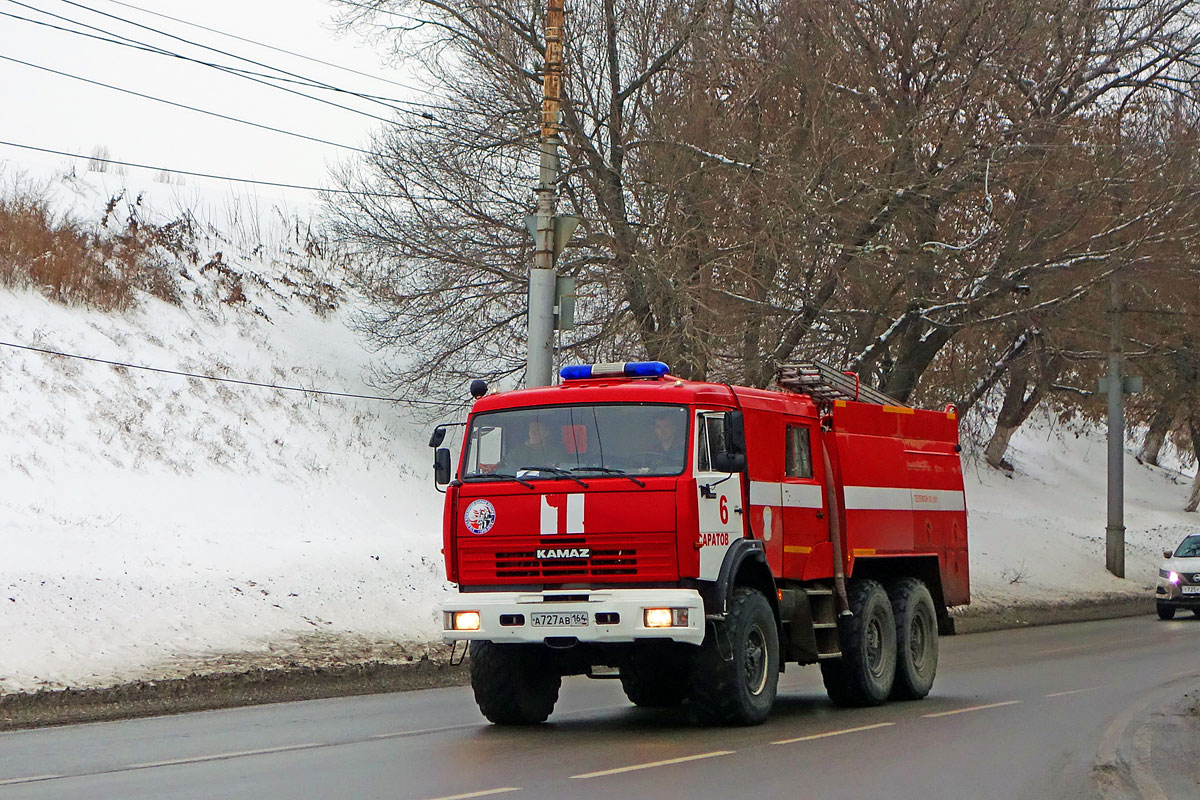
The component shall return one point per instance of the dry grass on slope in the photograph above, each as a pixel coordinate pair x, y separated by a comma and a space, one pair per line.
100, 267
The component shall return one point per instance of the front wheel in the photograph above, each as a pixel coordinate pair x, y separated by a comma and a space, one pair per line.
916, 639
736, 672
864, 675
1165, 611
514, 684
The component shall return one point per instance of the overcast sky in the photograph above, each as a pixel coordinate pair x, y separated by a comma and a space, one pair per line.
62, 113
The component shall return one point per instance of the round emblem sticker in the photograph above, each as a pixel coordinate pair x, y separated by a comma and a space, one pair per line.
480, 517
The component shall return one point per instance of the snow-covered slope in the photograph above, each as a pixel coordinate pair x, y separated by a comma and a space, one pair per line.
147, 518
1039, 535
151, 524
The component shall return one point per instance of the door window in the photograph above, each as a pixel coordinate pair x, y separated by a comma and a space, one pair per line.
711, 432
798, 459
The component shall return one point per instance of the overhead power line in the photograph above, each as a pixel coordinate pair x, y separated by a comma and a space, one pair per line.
230, 70
201, 376
222, 177
310, 81
257, 77
109, 37
186, 107
267, 46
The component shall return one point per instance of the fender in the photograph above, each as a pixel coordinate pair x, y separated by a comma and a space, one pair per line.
745, 564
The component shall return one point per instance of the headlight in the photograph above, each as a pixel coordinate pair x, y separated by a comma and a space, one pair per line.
462, 621
666, 617
1171, 576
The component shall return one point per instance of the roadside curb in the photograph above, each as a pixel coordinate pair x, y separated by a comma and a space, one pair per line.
1113, 606
255, 687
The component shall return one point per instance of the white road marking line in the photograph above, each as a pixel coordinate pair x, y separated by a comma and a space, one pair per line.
481, 723
220, 756
835, 733
484, 793
420, 731
30, 779
1073, 691
653, 764
972, 708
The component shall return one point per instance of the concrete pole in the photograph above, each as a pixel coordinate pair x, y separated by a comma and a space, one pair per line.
542, 276
1115, 538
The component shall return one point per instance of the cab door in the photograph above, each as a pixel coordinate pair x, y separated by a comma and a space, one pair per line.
719, 495
805, 517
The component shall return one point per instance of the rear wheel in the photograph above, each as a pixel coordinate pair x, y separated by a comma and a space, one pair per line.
865, 673
1166, 611
736, 672
514, 684
916, 639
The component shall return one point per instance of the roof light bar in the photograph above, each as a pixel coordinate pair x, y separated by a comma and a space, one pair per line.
628, 369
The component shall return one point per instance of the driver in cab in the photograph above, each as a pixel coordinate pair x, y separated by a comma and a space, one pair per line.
666, 449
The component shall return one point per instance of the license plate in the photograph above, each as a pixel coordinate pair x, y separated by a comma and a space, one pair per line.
574, 619
1191, 589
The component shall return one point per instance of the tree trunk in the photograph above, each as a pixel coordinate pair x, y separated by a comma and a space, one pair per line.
1194, 500
1160, 424
1016, 409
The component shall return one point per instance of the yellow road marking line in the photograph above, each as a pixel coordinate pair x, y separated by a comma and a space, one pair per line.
30, 779
972, 708
834, 733
652, 764
220, 756
484, 793
1073, 691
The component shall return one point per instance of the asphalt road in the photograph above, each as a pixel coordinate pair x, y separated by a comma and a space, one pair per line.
1098, 709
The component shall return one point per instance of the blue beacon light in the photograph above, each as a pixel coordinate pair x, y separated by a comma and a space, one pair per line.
629, 369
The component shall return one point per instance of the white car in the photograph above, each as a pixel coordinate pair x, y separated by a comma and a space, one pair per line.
1179, 579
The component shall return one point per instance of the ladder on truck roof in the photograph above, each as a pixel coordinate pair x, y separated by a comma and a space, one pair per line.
825, 384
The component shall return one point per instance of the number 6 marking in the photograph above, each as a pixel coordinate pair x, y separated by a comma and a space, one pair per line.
724, 506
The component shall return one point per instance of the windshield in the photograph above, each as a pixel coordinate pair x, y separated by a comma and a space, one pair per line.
574, 441
1189, 548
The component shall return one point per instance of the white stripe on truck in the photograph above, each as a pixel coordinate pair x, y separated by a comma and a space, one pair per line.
858, 498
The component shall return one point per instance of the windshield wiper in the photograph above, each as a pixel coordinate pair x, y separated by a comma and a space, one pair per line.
556, 471
611, 471
498, 476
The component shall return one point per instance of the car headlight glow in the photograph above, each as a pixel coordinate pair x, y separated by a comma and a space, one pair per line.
464, 621
1173, 577
666, 617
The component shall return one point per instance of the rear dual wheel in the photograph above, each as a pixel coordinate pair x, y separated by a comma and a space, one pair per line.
889, 644
866, 672
916, 639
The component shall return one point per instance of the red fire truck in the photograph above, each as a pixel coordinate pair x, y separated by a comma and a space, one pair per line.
691, 538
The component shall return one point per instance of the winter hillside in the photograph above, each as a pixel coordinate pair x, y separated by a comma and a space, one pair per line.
153, 525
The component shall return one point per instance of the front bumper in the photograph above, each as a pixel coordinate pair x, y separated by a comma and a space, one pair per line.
1171, 595
613, 615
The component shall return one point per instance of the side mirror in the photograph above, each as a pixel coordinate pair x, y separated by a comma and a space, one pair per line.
1167, 554
438, 436
735, 436
729, 462
441, 466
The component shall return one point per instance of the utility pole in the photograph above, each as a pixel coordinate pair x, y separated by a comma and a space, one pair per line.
542, 276
1114, 549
